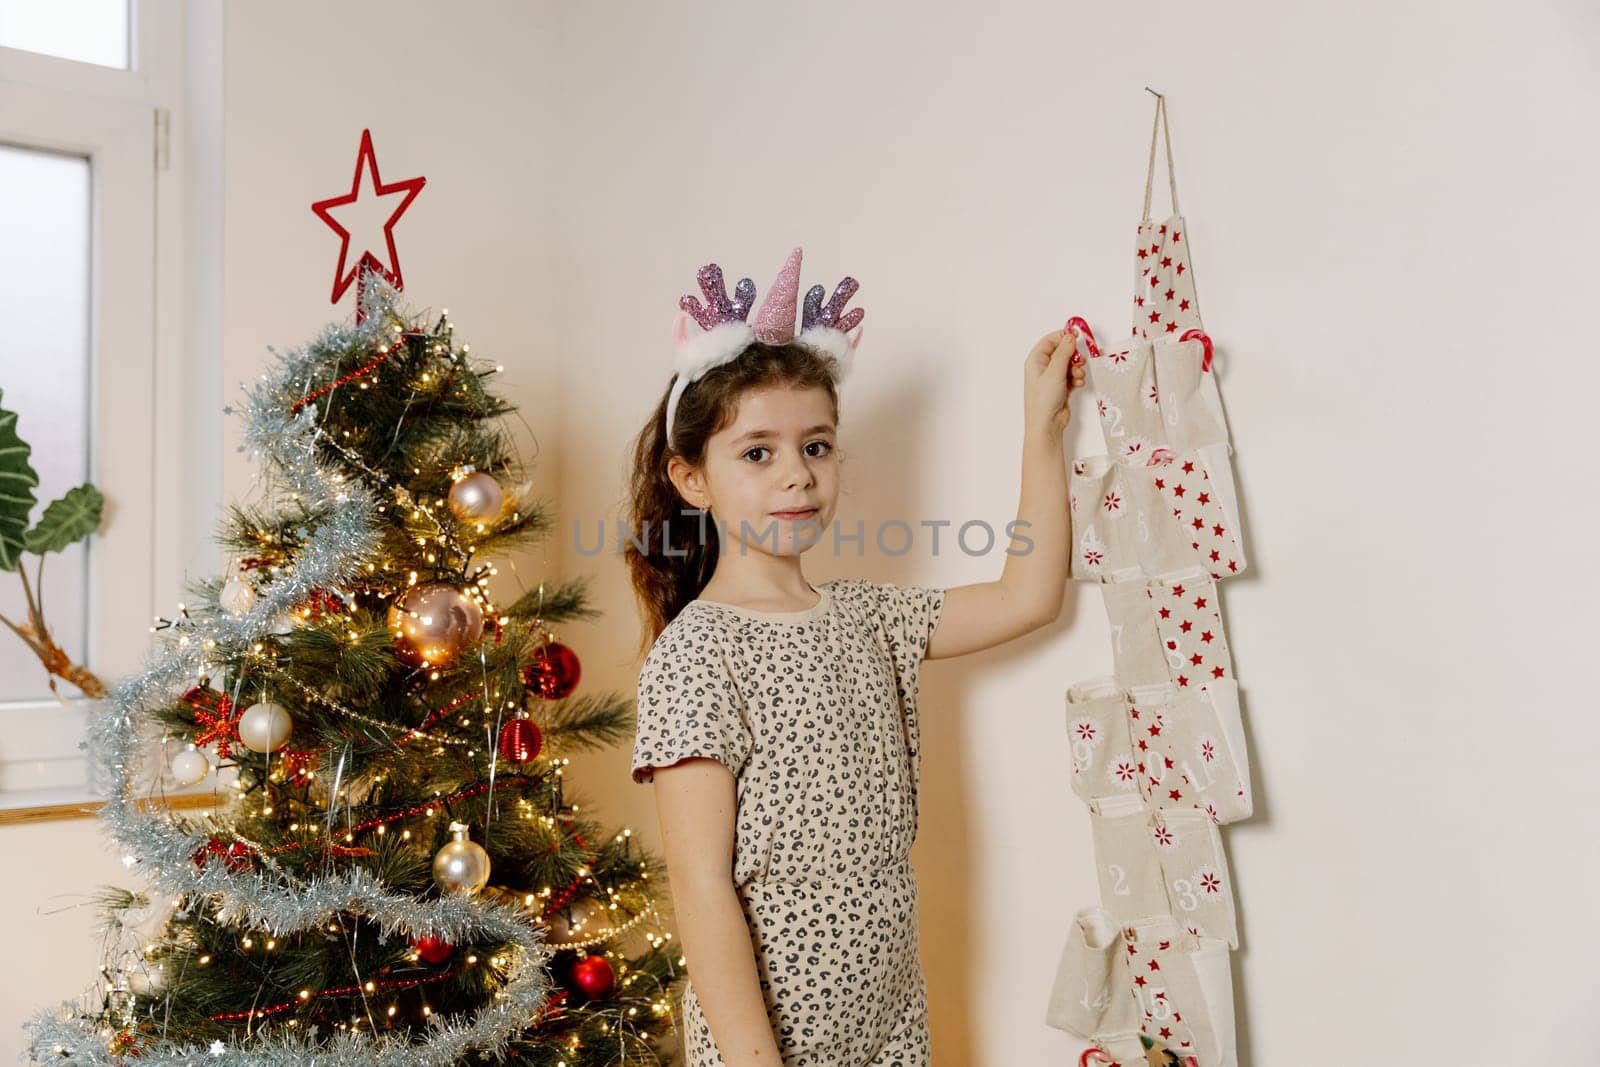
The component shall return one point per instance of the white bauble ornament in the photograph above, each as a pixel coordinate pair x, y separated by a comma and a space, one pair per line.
476, 498
265, 727
237, 596
190, 766
144, 979
283, 624
461, 866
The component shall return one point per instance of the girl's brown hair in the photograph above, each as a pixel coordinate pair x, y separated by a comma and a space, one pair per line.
674, 566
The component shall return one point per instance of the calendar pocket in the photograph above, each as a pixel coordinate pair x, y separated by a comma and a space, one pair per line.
1195, 872
1121, 522
1214, 972
1166, 630
1190, 749
1164, 301
1137, 654
1188, 622
1191, 407
1129, 867
1090, 996
1163, 968
1155, 397
1192, 507
1103, 518
1097, 732
1127, 400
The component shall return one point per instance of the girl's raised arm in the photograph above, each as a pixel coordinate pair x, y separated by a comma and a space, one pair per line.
1032, 583
695, 802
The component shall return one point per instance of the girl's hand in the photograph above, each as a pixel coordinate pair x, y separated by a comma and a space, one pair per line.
1049, 375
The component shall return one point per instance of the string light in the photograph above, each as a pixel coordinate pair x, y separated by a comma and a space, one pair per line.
426, 808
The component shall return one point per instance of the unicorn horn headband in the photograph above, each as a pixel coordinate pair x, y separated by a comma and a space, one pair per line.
716, 332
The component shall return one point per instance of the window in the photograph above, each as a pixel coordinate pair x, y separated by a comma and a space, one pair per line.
90, 31
87, 90
44, 375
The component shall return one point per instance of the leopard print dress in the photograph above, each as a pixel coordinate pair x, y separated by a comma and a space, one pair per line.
815, 713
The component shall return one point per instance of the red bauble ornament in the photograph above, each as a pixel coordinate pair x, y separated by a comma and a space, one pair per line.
520, 740
553, 671
434, 950
593, 977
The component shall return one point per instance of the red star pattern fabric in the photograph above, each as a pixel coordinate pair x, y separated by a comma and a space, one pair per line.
1188, 619
1164, 303
1189, 750
1166, 968
1195, 514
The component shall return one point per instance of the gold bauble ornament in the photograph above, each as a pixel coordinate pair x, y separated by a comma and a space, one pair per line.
433, 623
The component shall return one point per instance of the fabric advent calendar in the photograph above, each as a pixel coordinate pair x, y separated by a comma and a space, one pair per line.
1157, 747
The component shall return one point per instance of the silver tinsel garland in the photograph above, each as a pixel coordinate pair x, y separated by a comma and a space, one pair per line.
346, 537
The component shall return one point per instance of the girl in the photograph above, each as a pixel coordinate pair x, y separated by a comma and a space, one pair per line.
778, 720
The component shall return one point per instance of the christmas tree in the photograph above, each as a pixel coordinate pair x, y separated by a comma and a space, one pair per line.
393, 874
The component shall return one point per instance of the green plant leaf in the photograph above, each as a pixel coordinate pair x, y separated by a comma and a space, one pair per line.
76, 515
17, 482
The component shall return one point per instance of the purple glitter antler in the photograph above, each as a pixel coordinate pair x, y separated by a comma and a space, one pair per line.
816, 314
719, 309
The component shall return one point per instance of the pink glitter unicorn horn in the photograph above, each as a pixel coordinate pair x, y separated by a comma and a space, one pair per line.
775, 319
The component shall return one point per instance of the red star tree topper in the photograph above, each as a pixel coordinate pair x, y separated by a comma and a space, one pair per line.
367, 160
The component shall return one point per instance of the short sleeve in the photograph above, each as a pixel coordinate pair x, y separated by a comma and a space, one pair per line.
910, 614
688, 706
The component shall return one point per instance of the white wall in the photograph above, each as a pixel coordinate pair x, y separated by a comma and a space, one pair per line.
1383, 201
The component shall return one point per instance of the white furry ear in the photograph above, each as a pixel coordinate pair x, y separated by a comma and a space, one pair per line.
681, 327
705, 349
827, 340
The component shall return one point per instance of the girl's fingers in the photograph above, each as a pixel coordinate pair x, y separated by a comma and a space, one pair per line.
1048, 342
1061, 357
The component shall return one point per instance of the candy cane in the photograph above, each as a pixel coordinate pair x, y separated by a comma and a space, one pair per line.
1081, 328
1205, 364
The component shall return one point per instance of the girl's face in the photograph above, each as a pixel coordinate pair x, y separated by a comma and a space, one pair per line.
775, 458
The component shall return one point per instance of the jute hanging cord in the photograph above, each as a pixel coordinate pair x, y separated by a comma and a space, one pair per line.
1157, 746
